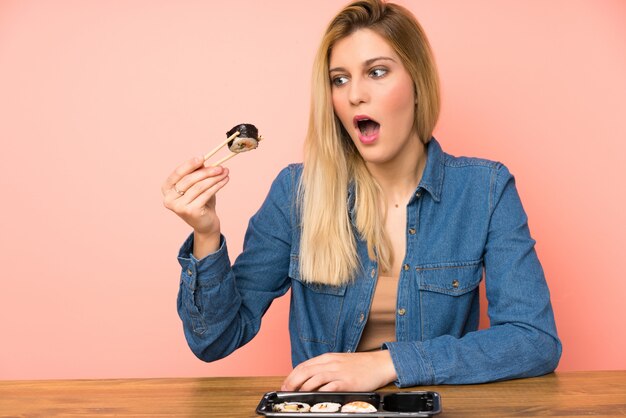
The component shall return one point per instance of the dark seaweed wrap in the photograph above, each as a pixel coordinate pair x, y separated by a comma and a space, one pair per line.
246, 130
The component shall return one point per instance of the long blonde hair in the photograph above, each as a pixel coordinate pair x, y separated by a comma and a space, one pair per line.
328, 252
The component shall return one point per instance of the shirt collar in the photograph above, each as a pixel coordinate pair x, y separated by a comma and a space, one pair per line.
432, 178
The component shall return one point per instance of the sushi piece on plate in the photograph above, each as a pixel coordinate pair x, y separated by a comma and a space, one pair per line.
358, 406
326, 407
291, 407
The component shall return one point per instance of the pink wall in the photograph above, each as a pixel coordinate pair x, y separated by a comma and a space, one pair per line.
99, 101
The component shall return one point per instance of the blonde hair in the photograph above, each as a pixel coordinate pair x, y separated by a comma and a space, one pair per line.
328, 253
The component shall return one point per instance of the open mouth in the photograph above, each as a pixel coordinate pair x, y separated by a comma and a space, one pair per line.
367, 126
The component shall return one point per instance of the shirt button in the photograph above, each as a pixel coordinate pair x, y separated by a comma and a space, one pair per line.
406, 267
418, 194
401, 311
373, 273
189, 272
361, 317
455, 284
412, 231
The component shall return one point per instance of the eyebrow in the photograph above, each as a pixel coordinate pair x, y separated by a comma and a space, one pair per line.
365, 64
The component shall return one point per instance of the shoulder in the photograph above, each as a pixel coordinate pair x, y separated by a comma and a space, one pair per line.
469, 177
287, 179
462, 162
473, 167
444, 168
291, 173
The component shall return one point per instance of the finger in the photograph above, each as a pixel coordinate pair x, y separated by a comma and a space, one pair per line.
171, 198
176, 201
333, 386
180, 171
204, 197
318, 381
294, 380
194, 177
303, 372
296, 377
200, 187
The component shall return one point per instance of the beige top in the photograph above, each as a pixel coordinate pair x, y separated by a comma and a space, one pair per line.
381, 324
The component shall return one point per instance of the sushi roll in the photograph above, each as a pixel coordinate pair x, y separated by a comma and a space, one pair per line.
292, 407
248, 138
358, 406
326, 407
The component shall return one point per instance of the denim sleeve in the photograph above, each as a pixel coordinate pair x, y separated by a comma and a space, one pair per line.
522, 340
221, 306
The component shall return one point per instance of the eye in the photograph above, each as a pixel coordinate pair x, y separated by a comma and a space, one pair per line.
339, 80
378, 72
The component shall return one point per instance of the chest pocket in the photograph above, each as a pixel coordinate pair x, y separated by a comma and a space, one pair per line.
315, 308
449, 298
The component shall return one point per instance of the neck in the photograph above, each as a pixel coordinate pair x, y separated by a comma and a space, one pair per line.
399, 179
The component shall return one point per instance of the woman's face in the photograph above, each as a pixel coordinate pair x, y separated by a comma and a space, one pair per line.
373, 96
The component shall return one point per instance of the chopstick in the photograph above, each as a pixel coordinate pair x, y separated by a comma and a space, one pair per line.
228, 157
216, 149
223, 160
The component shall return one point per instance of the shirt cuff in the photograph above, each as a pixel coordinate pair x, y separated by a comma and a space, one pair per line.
411, 363
208, 270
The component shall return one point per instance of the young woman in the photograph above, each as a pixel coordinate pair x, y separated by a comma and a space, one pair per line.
381, 236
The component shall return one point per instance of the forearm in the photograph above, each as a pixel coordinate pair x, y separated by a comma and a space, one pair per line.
214, 333
501, 352
205, 244
208, 304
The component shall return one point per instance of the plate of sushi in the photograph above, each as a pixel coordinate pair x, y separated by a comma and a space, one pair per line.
350, 404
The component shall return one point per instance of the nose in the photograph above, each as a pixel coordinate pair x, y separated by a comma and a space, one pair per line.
358, 92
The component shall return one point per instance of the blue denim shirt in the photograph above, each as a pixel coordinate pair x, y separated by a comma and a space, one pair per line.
465, 218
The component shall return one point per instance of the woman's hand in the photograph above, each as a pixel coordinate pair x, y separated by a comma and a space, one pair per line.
342, 372
190, 192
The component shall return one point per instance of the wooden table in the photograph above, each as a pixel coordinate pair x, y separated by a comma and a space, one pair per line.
572, 394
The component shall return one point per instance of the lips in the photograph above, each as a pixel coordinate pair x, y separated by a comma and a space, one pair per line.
367, 128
